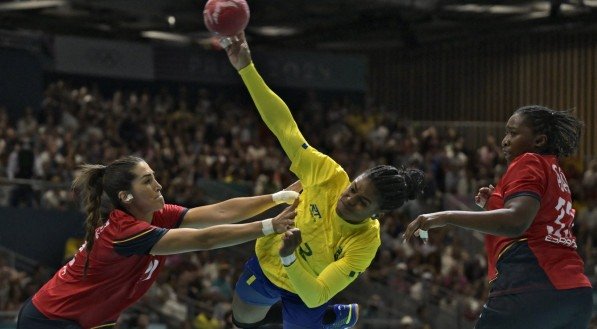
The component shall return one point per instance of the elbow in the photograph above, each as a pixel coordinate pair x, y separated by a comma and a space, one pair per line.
516, 224
515, 230
317, 299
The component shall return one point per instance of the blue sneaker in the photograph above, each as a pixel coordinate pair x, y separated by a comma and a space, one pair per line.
346, 316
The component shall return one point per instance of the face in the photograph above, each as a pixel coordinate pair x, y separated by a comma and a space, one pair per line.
147, 192
359, 201
519, 138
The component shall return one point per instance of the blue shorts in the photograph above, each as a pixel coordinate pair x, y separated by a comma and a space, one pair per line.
253, 287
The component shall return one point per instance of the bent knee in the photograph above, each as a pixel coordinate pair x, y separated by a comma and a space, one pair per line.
244, 325
246, 313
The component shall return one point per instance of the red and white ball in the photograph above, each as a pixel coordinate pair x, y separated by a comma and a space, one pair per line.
226, 17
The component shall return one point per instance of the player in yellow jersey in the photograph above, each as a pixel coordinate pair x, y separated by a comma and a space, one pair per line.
337, 235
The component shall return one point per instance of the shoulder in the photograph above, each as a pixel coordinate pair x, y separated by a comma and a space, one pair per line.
528, 158
368, 237
529, 162
170, 216
169, 209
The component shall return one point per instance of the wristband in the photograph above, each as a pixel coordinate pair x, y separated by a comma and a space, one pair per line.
267, 227
423, 234
284, 197
288, 260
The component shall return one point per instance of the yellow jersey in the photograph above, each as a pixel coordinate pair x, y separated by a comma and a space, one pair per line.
333, 252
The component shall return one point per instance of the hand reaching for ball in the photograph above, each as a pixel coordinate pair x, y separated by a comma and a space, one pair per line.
237, 50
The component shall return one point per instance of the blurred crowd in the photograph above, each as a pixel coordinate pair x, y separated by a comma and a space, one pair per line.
188, 137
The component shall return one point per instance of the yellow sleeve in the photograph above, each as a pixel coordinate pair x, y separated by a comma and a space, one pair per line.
308, 164
317, 290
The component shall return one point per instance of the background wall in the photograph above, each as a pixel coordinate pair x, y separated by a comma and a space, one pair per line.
487, 80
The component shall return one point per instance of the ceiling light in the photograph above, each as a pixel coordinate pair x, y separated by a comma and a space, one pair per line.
274, 31
171, 21
29, 5
488, 9
166, 36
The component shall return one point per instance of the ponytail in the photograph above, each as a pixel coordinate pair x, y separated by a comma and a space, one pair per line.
97, 182
90, 184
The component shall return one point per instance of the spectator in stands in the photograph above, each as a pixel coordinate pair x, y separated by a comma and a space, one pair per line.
536, 275
21, 166
338, 219
123, 254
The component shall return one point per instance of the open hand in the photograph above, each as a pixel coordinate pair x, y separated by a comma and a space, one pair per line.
284, 221
483, 195
237, 50
424, 222
290, 241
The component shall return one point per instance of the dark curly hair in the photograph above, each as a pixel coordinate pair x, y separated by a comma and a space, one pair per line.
395, 185
561, 128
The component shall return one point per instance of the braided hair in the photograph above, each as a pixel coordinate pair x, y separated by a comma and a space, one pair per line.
91, 184
561, 128
395, 185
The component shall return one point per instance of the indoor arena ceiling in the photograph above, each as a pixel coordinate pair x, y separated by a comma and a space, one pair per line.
344, 25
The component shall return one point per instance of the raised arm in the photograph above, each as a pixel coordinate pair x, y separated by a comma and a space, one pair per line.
310, 165
272, 109
234, 210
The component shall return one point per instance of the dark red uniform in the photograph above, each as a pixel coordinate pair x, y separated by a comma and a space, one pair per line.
537, 279
550, 236
120, 270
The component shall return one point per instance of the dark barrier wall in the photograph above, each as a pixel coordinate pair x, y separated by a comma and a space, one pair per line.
39, 234
21, 82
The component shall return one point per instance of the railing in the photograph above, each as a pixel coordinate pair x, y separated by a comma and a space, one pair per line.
18, 261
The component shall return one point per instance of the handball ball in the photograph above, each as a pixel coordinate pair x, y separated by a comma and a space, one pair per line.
226, 17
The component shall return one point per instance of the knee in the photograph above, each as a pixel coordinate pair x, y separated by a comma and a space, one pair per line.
245, 325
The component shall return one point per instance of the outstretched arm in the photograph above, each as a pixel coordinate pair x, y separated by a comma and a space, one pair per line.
511, 221
234, 210
187, 239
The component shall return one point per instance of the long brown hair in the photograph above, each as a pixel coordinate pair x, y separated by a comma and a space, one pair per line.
91, 184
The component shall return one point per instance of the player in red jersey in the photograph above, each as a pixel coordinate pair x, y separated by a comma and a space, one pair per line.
536, 275
122, 254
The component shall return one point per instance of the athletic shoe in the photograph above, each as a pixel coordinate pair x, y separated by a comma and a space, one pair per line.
346, 316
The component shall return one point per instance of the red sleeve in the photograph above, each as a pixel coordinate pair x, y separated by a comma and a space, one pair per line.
525, 176
134, 237
170, 216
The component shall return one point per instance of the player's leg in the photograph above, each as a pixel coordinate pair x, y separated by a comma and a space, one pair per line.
31, 318
575, 307
246, 314
253, 297
297, 315
550, 309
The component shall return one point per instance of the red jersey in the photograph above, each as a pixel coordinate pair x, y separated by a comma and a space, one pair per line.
120, 270
550, 237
